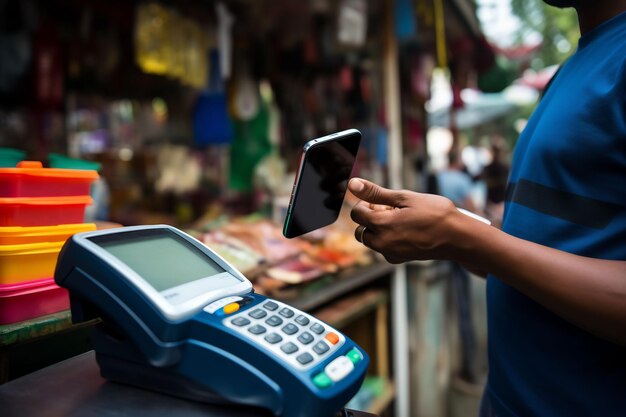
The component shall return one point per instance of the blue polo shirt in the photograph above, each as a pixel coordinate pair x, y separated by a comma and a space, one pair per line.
567, 190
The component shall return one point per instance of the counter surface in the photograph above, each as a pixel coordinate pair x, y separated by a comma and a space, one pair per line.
75, 388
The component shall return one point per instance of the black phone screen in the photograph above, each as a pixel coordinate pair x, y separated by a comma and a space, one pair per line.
322, 183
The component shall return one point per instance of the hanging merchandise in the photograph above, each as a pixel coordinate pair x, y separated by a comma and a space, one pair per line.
211, 121
269, 174
152, 50
440, 33
345, 78
196, 56
225, 21
190, 47
177, 44
245, 104
244, 89
381, 142
352, 22
422, 67
250, 146
167, 43
404, 17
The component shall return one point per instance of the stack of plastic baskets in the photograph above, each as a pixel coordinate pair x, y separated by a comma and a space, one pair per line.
39, 209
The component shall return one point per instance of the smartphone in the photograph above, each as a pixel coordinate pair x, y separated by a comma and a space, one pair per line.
321, 182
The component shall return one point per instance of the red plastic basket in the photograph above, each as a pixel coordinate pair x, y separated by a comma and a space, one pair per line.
28, 300
42, 211
30, 179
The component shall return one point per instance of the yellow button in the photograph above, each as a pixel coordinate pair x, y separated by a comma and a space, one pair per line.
231, 308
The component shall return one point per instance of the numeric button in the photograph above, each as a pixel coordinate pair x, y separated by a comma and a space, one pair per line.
317, 328
305, 338
274, 321
289, 348
286, 312
240, 321
304, 358
302, 320
320, 348
257, 329
290, 329
273, 338
258, 313
270, 305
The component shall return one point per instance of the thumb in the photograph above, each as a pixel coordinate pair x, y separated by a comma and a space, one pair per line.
372, 193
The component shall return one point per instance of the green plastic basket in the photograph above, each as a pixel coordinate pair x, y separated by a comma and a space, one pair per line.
61, 161
10, 157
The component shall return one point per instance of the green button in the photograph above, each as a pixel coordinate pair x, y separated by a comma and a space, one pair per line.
354, 355
322, 380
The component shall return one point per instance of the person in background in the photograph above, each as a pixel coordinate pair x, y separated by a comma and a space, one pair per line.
495, 176
456, 184
556, 286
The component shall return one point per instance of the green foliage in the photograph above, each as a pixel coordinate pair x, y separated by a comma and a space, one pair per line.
557, 27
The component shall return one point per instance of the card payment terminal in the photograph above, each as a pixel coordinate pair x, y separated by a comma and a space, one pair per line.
177, 318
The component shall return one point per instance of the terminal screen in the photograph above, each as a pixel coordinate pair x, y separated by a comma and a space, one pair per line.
164, 259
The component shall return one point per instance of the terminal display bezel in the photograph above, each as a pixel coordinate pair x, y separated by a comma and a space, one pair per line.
177, 302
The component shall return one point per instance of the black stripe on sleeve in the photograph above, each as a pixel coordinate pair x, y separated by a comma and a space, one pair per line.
574, 208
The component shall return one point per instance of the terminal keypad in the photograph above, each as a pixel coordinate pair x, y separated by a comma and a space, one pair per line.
296, 337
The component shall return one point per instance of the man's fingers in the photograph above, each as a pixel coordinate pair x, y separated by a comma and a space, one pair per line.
374, 219
362, 214
372, 193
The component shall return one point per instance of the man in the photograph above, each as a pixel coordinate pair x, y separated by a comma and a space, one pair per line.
556, 287
456, 184
495, 176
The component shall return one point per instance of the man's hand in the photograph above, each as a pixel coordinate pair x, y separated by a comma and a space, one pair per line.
585, 291
404, 225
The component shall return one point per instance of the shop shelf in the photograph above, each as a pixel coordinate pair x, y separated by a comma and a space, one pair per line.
382, 402
21, 235
30, 179
350, 308
32, 261
27, 300
375, 395
42, 211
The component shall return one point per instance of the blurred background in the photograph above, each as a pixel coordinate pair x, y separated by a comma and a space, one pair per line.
195, 112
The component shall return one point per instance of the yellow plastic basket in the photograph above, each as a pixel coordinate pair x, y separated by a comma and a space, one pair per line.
20, 263
18, 235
